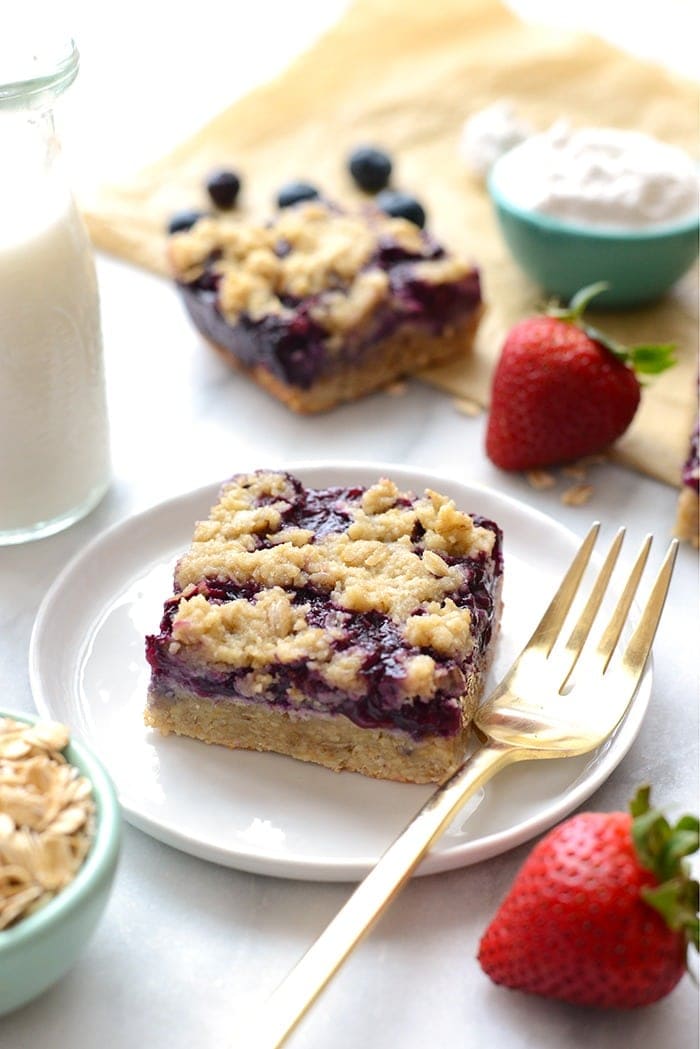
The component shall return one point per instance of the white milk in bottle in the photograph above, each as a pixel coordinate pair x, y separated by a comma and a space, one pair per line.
54, 449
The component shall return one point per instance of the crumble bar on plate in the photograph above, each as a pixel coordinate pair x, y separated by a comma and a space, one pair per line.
351, 627
321, 306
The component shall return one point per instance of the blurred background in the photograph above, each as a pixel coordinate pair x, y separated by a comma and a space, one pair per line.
152, 72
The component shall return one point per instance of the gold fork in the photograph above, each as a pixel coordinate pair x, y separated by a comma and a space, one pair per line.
539, 710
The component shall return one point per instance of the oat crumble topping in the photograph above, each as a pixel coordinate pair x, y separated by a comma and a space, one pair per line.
326, 253
373, 565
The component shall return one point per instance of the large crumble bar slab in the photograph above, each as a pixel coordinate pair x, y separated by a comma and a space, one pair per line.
321, 306
351, 627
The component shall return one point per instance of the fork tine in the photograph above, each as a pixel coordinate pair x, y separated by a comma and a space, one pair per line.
549, 626
584, 623
638, 648
608, 642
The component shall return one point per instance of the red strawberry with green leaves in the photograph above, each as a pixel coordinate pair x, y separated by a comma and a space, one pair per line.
601, 913
562, 390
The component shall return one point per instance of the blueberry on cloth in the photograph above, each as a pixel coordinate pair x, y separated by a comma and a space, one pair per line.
223, 187
370, 168
295, 192
401, 205
183, 220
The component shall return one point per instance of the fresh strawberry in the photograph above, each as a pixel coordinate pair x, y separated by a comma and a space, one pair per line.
562, 389
602, 911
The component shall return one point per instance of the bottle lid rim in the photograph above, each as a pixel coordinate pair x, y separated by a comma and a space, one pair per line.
42, 78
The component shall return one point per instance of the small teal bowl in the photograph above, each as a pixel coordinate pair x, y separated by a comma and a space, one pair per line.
563, 257
41, 948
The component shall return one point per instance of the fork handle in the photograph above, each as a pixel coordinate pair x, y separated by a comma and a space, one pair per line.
297, 992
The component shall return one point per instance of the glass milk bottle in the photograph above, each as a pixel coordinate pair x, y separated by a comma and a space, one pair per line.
54, 447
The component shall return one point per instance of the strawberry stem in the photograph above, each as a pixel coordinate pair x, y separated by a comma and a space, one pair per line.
583, 296
644, 359
662, 849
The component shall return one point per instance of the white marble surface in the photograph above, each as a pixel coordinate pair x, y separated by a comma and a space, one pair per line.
186, 947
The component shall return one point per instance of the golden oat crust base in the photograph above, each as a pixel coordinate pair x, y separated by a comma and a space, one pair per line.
688, 516
402, 354
329, 740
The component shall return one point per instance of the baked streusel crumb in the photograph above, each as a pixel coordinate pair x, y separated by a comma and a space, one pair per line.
307, 250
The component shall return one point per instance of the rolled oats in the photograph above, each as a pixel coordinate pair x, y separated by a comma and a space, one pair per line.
47, 816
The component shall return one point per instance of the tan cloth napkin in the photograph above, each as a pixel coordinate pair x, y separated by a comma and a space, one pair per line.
405, 74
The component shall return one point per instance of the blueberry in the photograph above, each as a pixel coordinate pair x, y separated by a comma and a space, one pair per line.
370, 168
295, 192
183, 220
401, 205
223, 187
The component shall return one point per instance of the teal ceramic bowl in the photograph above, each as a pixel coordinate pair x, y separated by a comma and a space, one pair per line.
41, 948
562, 257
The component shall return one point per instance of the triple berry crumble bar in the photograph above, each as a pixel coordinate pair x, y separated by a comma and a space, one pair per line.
688, 510
321, 306
351, 627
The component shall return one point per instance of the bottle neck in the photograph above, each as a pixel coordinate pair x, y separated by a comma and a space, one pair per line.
33, 184
29, 145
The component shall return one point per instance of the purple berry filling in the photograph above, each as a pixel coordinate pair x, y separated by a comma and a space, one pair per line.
691, 467
294, 347
382, 703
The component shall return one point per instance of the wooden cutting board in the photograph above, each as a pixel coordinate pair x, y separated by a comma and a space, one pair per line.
405, 75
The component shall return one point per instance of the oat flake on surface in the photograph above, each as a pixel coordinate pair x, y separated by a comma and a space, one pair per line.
540, 479
577, 495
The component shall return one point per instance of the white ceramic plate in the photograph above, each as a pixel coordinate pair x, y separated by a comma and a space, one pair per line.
262, 812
